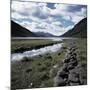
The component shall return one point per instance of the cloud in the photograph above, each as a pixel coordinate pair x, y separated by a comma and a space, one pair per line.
52, 18
56, 23
70, 12
76, 19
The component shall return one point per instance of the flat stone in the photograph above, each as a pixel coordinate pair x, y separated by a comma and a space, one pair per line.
58, 81
65, 67
74, 84
67, 60
76, 70
72, 51
72, 65
73, 79
73, 57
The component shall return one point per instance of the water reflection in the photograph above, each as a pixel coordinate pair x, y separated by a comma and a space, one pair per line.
32, 53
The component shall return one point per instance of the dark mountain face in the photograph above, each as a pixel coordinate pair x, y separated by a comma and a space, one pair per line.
44, 34
79, 30
19, 31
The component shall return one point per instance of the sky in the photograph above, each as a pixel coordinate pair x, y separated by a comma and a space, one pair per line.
53, 18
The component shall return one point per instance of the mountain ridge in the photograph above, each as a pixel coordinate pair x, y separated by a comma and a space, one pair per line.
44, 34
19, 31
79, 30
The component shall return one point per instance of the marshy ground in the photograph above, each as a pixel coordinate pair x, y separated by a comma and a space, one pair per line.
40, 71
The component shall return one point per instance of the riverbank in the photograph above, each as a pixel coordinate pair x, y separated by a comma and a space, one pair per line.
35, 52
39, 71
21, 45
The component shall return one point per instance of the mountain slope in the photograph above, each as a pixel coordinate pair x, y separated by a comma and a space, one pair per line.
44, 34
19, 31
79, 30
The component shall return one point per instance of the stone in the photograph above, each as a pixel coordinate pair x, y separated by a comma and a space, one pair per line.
74, 84
75, 70
70, 67
72, 64
62, 74
42, 85
58, 81
69, 74
44, 77
31, 84
28, 70
72, 51
74, 54
65, 67
59, 53
67, 60
73, 78
73, 57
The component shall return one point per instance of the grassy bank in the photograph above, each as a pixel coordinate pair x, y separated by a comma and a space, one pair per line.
20, 45
40, 71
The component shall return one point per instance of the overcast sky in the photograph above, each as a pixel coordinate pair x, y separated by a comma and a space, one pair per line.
47, 17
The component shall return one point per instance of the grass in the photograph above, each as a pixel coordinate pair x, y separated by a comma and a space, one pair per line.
81, 44
27, 44
40, 71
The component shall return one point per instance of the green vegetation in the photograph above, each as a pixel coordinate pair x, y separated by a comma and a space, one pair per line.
40, 71
28, 44
81, 44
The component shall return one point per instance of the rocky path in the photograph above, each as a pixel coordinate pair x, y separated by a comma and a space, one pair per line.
69, 74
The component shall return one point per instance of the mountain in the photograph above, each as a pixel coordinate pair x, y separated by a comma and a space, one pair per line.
44, 34
19, 31
79, 30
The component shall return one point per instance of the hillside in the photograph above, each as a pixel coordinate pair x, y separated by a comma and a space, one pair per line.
79, 30
44, 34
19, 31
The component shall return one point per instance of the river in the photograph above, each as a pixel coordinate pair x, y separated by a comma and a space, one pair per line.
35, 52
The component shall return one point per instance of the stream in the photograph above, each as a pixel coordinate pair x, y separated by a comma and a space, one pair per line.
36, 52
